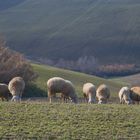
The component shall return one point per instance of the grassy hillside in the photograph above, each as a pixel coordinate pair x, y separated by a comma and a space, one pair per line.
78, 79
67, 121
69, 29
133, 80
9, 4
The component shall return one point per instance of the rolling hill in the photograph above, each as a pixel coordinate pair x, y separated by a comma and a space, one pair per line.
8, 4
106, 29
78, 79
132, 80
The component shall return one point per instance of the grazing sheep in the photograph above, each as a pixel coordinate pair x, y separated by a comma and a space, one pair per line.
60, 85
89, 91
16, 87
4, 92
103, 94
135, 94
124, 95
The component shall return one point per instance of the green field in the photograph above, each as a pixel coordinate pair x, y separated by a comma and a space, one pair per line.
133, 80
36, 120
69, 29
78, 79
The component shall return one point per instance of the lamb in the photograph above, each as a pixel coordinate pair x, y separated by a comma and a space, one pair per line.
89, 91
103, 94
60, 85
135, 94
16, 87
4, 92
124, 95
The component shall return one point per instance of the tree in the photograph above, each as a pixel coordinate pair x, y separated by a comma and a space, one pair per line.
14, 64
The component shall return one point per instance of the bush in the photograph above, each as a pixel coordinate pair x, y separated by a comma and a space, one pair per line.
14, 64
32, 90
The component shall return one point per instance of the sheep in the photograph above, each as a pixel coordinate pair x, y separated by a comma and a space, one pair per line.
89, 91
135, 94
60, 85
124, 95
4, 92
16, 87
103, 94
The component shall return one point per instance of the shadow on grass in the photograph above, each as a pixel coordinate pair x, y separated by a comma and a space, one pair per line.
32, 90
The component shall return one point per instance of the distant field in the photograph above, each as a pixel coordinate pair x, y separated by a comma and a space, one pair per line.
69, 121
78, 79
132, 80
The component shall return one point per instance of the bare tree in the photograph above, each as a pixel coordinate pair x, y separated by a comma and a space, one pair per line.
14, 64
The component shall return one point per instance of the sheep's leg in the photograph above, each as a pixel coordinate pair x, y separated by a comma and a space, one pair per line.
122, 101
2, 98
20, 95
54, 98
50, 96
50, 99
66, 100
13, 98
62, 98
85, 98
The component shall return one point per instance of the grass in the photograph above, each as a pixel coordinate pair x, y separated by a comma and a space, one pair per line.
68, 121
63, 121
132, 80
78, 79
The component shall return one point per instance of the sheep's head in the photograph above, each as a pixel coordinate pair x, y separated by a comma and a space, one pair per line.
91, 98
128, 101
91, 101
127, 97
16, 98
102, 101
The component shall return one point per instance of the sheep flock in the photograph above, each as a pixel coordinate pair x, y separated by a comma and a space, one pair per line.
65, 89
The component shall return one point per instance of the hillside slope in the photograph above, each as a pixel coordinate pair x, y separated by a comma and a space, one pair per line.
5, 4
106, 29
132, 80
78, 79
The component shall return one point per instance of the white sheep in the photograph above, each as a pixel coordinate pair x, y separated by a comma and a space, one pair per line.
102, 94
16, 87
124, 95
60, 85
135, 94
89, 91
4, 92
